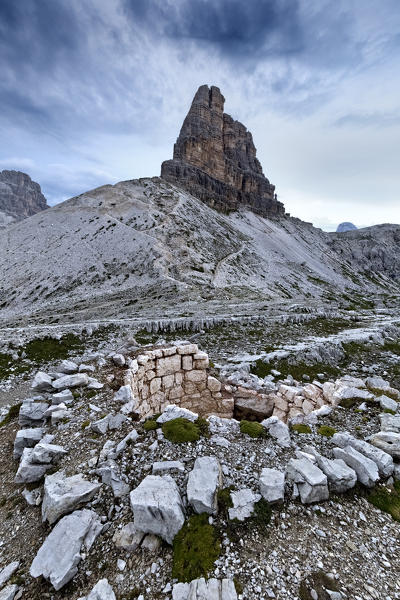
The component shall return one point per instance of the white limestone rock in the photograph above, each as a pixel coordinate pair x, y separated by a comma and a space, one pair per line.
243, 504
340, 477
387, 403
390, 422
110, 476
58, 558
157, 507
383, 460
26, 438
9, 592
366, 469
388, 441
175, 412
32, 413
168, 466
124, 394
118, 360
128, 538
203, 483
272, 485
64, 397
128, 439
311, 482
7, 571
71, 381
200, 589
29, 472
42, 382
68, 367
101, 591
64, 494
221, 426
44, 453
278, 430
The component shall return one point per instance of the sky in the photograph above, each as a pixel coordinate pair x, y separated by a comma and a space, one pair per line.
95, 92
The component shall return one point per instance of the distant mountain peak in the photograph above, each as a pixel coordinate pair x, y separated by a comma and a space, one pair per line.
20, 197
345, 226
215, 159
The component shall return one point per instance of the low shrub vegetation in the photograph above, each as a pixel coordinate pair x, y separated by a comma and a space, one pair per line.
252, 428
181, 430
301, 428
195, 549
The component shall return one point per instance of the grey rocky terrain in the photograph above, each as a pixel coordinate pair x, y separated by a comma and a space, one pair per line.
20, 197
199, 394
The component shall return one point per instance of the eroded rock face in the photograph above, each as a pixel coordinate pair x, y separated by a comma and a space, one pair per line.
215, 159
20, 197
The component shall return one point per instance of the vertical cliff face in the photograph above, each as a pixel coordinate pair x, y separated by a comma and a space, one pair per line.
215, 159
20, 197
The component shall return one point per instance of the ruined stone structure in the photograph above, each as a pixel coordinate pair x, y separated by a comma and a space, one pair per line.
177, 375
215, 159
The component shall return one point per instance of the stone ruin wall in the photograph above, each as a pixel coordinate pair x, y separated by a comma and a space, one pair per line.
177, 375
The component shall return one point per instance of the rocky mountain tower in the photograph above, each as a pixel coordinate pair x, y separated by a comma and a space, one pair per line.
215, 159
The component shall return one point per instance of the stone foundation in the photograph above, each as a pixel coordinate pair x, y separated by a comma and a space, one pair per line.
177, 375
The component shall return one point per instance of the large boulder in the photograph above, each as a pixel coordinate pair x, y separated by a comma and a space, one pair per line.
60, 553
272, 485
383, 460
157, 507
26, 438
101, 591
176, 412
278, 430
311, 482
243, 502
64, 494
390, 423
253, 406
388, 441
340, 477
366, 469
203, 483
200, 589
32, 413
42, 382
68, 367
70, 381
29, 472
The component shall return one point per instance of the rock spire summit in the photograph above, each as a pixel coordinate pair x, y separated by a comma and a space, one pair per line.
215, 159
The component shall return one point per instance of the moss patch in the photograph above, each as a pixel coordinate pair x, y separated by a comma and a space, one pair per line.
150, 425
224, 500
326, 431
195, 549
12, 414
387, 499
301, 428
252, 428
181, 430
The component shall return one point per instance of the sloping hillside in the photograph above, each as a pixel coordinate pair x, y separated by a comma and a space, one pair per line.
145, 246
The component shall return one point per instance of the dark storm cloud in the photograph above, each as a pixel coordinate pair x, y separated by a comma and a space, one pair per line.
38, 32
238, 29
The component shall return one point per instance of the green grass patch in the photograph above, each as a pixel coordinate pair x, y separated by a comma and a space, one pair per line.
297, 371
181, 430
252, 428
48, 349
203, 427
326, 431
387, 499
224, 500
12, 414
262, 514
301, 428
150, 425
195, 549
